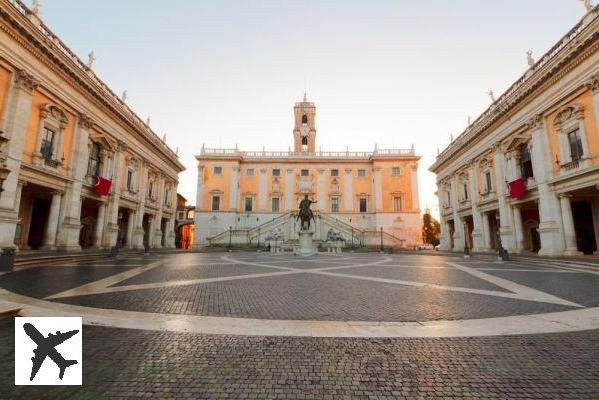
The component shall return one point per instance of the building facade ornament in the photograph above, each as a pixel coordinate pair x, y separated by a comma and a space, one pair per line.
25, 81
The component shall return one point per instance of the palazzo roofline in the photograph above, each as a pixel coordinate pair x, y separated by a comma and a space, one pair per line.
558, 58
294, 156
57, 54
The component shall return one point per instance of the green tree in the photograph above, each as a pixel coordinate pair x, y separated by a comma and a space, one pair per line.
431, 229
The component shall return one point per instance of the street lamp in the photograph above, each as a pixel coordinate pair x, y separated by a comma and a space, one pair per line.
230, 234
258, 219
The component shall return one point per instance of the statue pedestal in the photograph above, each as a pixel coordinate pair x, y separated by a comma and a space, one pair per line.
306, 244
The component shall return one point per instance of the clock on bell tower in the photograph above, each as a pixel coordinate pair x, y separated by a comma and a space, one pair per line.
304, 132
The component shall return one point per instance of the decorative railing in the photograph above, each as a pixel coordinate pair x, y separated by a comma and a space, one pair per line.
304, 154
54, 42
571, 165
512, 94
51, 163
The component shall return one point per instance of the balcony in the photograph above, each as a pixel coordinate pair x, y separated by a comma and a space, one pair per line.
575, 164
51, 163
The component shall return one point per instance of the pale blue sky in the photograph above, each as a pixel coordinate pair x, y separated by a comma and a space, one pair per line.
386, 72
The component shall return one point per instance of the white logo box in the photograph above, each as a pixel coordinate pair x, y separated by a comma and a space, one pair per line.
70, 350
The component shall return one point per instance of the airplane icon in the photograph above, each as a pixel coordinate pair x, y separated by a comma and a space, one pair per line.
46, 347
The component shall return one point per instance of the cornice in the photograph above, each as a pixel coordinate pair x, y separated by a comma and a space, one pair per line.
49, 49
575, 47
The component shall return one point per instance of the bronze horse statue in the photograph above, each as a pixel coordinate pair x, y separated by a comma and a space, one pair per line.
305, 213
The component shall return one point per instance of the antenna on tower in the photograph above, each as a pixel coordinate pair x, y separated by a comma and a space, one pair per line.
305, 90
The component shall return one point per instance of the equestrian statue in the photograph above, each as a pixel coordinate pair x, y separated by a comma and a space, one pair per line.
305, 213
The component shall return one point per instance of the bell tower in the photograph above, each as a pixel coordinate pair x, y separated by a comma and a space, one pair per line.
304, 132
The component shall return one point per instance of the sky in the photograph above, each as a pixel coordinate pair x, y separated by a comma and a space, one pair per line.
391, 73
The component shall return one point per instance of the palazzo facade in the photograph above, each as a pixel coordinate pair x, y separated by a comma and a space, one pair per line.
525, 174
78, 167
243, 196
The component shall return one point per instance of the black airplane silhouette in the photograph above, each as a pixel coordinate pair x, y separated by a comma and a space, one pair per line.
46, 347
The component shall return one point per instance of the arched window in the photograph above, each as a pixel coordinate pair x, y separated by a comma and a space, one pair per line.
305, 119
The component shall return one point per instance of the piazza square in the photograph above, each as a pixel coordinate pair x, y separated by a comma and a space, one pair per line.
233, 200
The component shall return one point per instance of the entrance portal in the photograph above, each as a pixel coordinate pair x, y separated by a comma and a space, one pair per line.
583, 225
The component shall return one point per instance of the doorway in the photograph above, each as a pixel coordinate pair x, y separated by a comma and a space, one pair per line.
583, 226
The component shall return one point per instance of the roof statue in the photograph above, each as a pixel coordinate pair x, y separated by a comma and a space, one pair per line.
587, 5
90, 59
531, 60
35, 7
148, 121
469, 120
492, 95
124, 96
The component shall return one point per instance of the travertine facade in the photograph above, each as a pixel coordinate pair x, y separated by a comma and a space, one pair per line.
525, 174
357, 193
62, 130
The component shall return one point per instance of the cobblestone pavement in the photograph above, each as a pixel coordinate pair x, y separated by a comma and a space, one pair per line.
146, 364
351, 287
126, 363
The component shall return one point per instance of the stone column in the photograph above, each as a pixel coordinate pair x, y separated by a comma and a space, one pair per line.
505, 212
477, 229
233, 188
321, 190
70, 227
112, 227
486, 232
459, 240
377, 190
200, 209
130, 229
156, 234
170, 233
262, 190
568, 224
444, 239
99, 229
414, 187
138, 234
289, 186
151, 230
16, 117
348, 191
519, 230
550, 230
49, 242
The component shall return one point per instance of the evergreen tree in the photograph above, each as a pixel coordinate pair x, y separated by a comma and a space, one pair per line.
431, 229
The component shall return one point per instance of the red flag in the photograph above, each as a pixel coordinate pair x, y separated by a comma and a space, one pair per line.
517, 188
102, 186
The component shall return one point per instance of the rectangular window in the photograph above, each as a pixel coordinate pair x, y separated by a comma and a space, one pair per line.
129, 180
465, 191
335, 204
215, 203
575, 145
397, 205
276, 172
363, 205
395, 171
334, 172
151, 189
488, 181
449, 196
218, 170
249, 172
248, 204
47, 141
93, 165
305, 172
275, 204
525, 162
361, 173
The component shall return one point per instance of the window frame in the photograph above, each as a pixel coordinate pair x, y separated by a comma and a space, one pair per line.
215, 201
335, 204
362, 173
276, 200
363, 201
217, 170
250, 203
396, 171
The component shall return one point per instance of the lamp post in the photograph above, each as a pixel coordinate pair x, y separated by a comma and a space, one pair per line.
501, 252
382, 248
230, 234
257, 219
